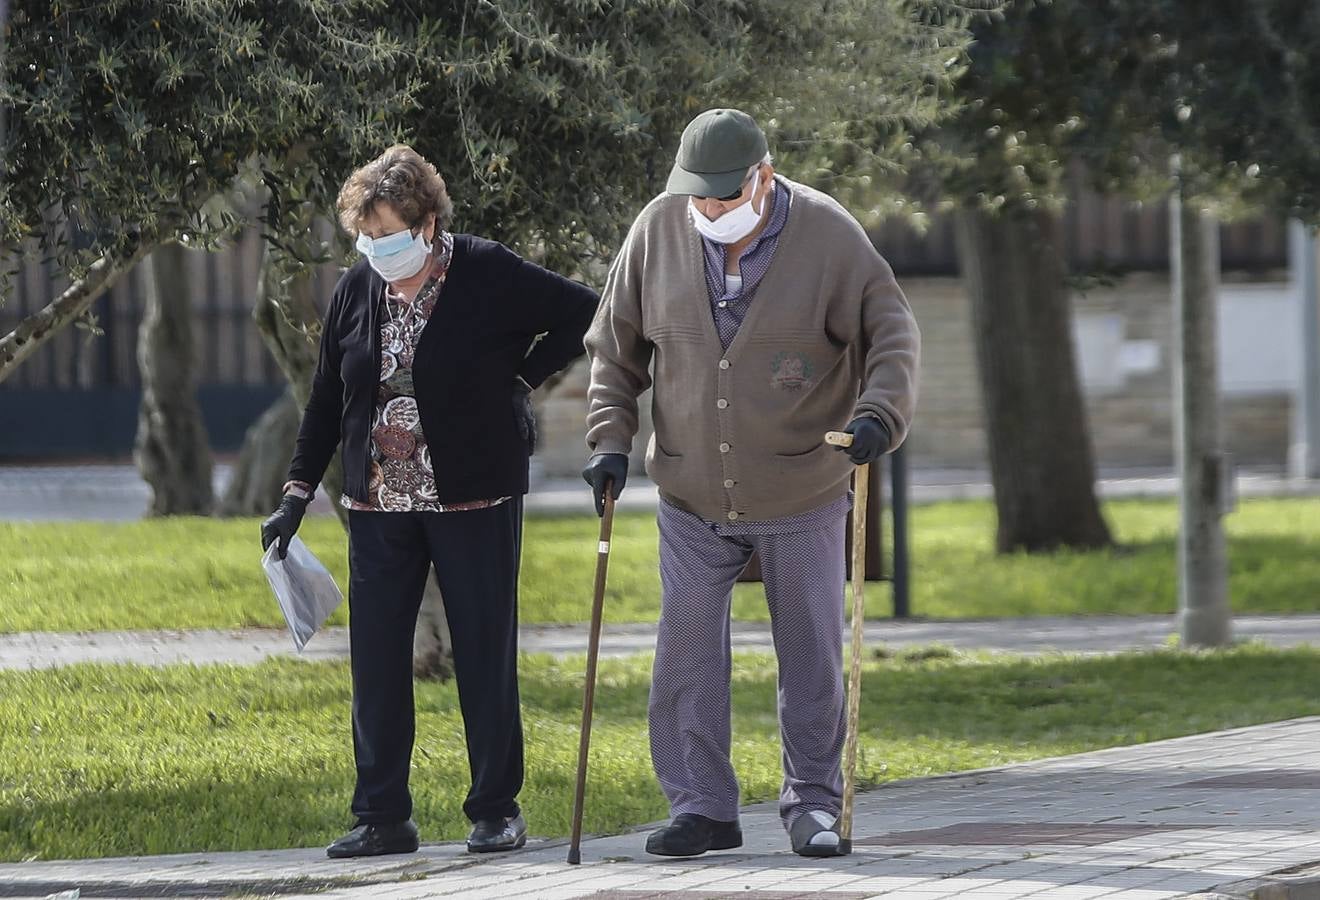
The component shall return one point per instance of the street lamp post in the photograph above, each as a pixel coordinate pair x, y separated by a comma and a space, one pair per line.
1304, 455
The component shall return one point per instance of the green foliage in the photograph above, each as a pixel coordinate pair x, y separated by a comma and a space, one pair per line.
129, 118
1238, 86
1120, 86
552, 121
204, 573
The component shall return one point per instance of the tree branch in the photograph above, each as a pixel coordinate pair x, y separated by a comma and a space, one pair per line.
44, 324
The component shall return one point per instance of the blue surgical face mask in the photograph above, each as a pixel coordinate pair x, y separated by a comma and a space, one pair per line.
395, 256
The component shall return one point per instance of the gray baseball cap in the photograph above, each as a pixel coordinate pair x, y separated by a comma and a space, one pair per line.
717, 149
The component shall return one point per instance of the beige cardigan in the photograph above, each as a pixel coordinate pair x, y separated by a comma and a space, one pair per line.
739, 434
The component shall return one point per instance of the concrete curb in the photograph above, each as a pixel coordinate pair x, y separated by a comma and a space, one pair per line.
1294, 883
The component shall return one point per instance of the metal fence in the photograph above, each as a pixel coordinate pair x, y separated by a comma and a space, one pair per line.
1102, 233
78, 395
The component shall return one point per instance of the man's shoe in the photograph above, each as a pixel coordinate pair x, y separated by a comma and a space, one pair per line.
375, 840
692, 835
816, 833
495, 835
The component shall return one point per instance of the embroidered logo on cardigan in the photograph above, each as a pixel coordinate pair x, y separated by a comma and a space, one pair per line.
790, 371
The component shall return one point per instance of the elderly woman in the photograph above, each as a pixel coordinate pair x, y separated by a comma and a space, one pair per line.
427, 356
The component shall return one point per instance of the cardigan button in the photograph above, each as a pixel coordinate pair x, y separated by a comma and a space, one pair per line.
728, 482
724, 448
722, 403
724, 364
733, 516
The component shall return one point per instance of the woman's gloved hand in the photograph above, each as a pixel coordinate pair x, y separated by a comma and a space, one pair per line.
283, 524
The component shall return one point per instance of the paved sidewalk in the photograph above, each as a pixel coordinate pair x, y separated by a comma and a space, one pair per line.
1232, 811
1082, 634
118, 493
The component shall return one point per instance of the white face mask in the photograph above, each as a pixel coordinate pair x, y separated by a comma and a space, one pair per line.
395, 256
734, 225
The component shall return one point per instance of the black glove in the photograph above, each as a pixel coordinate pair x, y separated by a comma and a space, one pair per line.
611, 468
283, 524
522, 411
870, 440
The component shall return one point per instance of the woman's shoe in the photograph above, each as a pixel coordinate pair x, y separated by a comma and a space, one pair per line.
495, 835
375, 839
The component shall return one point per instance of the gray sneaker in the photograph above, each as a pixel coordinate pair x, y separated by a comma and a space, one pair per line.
816, 833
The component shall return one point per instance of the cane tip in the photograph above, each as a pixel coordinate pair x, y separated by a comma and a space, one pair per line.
574, 856
845, 846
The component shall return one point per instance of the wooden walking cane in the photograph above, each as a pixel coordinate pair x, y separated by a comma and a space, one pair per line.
593, 652
861, 487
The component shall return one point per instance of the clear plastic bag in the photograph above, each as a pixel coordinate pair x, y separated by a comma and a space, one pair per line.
306, 591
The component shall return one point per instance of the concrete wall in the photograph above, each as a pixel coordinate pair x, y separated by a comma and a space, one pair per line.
1123, 340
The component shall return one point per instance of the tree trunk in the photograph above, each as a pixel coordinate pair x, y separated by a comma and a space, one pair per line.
263, 461
1203, 613
291, 327
171, 450
4, 110
45, 323
1041, 461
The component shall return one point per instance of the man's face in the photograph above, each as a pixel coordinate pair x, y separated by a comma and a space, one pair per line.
754, 186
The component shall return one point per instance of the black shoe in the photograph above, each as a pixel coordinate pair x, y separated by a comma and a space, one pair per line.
692, 835
375, 840
495, 835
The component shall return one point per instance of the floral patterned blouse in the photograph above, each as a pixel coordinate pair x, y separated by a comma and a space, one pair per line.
401, 478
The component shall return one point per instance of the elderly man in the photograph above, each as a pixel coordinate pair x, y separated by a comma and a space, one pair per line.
769, 319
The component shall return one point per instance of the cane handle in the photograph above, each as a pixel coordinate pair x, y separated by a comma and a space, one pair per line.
838, 438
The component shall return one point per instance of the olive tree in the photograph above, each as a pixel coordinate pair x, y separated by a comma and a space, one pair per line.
552, 122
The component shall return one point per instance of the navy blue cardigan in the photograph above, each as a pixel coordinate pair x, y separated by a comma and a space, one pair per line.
491, 309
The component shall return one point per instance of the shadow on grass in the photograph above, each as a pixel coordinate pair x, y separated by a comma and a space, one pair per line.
242, 789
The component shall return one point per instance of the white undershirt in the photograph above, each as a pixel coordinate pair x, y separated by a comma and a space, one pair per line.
732, 283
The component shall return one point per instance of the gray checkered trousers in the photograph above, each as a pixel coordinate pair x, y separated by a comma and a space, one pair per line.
803, 572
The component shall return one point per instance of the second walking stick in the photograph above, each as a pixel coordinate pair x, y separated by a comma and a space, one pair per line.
861, 488
593, 653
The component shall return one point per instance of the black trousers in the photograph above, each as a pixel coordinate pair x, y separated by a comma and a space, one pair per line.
476, 555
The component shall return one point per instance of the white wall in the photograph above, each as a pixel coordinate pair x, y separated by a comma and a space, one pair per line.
1259, 349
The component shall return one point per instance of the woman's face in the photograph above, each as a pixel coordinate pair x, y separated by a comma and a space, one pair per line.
382, 219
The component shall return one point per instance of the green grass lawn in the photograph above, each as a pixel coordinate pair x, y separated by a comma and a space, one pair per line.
115, 760
194, 573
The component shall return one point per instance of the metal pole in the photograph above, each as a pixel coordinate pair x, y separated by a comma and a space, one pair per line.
898, 481
1204, 619
1304, 454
